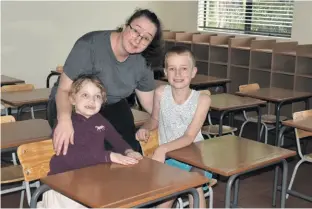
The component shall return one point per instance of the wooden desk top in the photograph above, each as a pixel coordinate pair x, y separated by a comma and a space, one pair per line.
7, 80
26, 131
226, 101
26, 97
140, 117
276, 94
116, 186
229, 155
304, 124
200, 79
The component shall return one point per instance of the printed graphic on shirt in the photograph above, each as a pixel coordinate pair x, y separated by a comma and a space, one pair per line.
100, 128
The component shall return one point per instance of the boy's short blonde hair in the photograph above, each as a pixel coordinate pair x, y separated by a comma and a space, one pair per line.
78, 83
180, 50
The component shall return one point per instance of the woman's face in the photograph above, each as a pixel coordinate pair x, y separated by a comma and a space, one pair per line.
138, 35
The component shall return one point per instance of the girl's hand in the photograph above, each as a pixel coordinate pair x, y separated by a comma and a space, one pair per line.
121, 159
133, 154
142, 135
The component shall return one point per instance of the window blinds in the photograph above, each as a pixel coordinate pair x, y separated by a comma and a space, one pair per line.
263, 17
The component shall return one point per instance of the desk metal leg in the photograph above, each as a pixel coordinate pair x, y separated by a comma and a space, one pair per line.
34, 199
284, 184
259, 123
19, 111
228, 190
221, 122
277, 113
307, 104
236, 190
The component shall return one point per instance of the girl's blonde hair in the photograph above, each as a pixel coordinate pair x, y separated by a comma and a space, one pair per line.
78, 84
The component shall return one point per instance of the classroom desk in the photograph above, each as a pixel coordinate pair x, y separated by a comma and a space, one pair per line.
22, 99
7, 80
232, 156
279, 97
52, 73
140, 117
116, 186
21, 132
305, 125
225, 103
200, 82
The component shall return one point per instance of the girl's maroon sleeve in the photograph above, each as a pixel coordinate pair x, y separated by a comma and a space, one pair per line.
115, 139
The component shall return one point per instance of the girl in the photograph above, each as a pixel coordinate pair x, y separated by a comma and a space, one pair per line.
87, 95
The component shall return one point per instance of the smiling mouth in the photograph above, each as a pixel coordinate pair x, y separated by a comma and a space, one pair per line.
90, 107
178, 80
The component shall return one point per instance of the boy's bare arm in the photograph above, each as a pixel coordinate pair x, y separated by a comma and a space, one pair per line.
193, 129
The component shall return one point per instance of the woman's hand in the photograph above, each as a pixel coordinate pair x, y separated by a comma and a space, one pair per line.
142, 135
121, 159
63, 135
131, 153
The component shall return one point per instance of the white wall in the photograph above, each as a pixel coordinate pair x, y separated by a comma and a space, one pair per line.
37, 36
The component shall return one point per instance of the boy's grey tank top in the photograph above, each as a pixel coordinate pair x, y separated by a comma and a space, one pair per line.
174, 119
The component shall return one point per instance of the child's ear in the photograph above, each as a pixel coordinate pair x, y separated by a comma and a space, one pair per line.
72, 100
194, 72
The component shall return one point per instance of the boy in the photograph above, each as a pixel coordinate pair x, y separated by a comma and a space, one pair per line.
178, 111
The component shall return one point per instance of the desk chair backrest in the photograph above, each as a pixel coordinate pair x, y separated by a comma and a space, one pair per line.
35, 159
17, 87
206, 92
299, 116
7, 119
150, 146
249, 87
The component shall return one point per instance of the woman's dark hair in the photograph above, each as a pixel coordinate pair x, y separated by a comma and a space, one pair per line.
154, 53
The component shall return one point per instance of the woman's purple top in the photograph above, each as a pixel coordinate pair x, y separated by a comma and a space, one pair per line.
88, 148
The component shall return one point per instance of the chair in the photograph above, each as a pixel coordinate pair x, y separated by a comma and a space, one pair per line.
12, 173
148, 149
300, 134
14, 88
35, 160
213, 129
267, 120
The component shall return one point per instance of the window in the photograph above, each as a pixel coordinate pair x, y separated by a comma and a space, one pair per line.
261, 17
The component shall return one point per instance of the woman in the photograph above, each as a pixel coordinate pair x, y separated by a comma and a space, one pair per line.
122, 60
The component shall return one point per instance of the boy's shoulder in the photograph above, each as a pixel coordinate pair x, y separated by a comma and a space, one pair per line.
160, 90
204, 98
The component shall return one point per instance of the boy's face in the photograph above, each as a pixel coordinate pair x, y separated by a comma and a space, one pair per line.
180, 70
88, 100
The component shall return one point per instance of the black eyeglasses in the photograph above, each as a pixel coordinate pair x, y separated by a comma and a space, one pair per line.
135, 34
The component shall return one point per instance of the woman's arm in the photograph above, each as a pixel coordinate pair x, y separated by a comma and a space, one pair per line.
64, 132
152, 123
146, 99
191, 132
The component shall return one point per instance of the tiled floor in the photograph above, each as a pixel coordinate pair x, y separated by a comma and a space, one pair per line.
255, 190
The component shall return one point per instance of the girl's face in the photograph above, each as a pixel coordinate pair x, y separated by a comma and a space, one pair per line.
88, 100
138, 35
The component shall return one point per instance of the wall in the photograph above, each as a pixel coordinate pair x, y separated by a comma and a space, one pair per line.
37, 36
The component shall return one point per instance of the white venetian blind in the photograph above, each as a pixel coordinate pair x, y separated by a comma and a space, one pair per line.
263, 17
